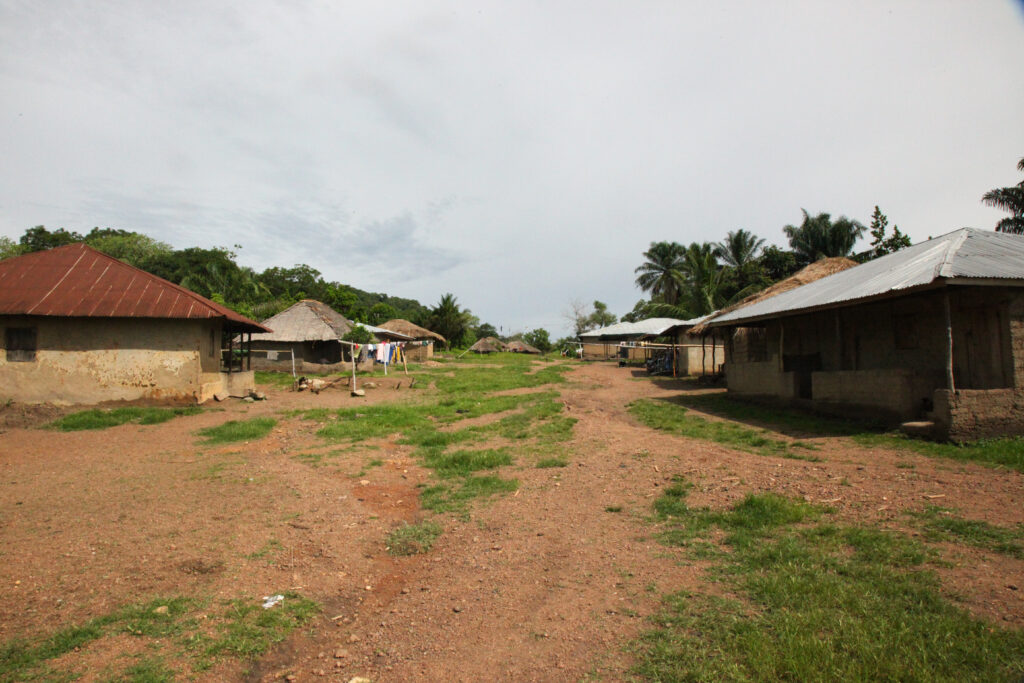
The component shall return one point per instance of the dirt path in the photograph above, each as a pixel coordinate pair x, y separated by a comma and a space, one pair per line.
543, 585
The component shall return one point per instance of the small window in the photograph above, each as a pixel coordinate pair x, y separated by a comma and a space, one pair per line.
20, 343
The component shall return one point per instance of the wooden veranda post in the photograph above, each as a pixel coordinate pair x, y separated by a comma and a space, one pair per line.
703, 356
950, 384
714, 355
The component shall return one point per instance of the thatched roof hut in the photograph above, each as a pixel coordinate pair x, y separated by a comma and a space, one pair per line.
519, 346
314, 321
811, 273
487, 345
411, 330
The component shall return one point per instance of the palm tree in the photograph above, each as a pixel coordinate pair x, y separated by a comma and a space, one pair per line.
821, 237
739, 248
703, 284
1009, 199
449, 320
661, 274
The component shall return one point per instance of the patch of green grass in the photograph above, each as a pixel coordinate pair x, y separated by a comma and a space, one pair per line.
448, 464
673, 418
148, 670
275, 379
238, 430
941, 524
246, 630
172, 631
412, 539
453, 498
813, 601
552, 462
1008, 452
104, 418
613, 508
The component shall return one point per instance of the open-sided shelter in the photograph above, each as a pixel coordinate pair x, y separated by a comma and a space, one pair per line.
932, 333
426, 338
79, 326
306, 337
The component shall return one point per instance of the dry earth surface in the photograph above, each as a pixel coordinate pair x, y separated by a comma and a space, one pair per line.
540, 585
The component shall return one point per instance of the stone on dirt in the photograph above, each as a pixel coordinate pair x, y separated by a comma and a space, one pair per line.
358, 392
221, 396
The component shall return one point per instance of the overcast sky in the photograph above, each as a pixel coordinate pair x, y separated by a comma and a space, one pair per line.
518, 154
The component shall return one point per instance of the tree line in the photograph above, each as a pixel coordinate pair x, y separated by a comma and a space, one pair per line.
215, 274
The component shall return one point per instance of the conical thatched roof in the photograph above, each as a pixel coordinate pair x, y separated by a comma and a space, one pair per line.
519, 346
306, 320
410, 330
309, 320
487, 345
815, 271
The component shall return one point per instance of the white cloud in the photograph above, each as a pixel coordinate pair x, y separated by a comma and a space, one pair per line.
519, 155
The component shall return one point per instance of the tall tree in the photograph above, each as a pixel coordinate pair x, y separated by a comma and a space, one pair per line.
449, 320
739, 248
820, 237
601, 317
538, 338
9, 248
1009, 199
40, 239
661, 274
881, 243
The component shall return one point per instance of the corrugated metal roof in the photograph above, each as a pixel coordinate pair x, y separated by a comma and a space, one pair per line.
78, 281
651, 327
965, 253
310, 320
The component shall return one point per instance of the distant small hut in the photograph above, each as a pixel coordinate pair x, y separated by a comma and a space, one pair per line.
519, 346
424, 349
487, 345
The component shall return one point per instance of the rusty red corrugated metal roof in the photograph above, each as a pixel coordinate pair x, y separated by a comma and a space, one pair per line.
79, 281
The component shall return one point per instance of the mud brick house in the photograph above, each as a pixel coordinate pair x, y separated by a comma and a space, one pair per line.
931, 333
306, 337
81, 327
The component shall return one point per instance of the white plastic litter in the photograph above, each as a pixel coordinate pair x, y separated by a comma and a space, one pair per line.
271, 600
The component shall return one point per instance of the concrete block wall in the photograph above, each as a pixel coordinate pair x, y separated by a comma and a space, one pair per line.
893, 392
760, 379
971, 414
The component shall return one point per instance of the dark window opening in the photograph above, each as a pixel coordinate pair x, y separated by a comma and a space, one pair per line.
20, 343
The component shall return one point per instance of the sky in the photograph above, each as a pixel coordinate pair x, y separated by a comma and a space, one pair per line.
521, 155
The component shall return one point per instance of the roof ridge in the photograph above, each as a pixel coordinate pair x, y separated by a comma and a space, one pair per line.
942, 269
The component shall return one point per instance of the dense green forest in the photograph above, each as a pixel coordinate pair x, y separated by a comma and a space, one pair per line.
215, 274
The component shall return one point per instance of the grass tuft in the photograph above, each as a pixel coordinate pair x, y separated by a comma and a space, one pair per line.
238, 430
412, 539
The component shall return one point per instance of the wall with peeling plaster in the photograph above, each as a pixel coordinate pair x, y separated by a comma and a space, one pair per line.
90, 360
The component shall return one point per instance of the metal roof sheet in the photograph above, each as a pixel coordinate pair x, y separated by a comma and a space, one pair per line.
965, 253
651, 327
78, 281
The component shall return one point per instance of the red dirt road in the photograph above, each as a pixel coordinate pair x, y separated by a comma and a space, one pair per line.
542, 585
